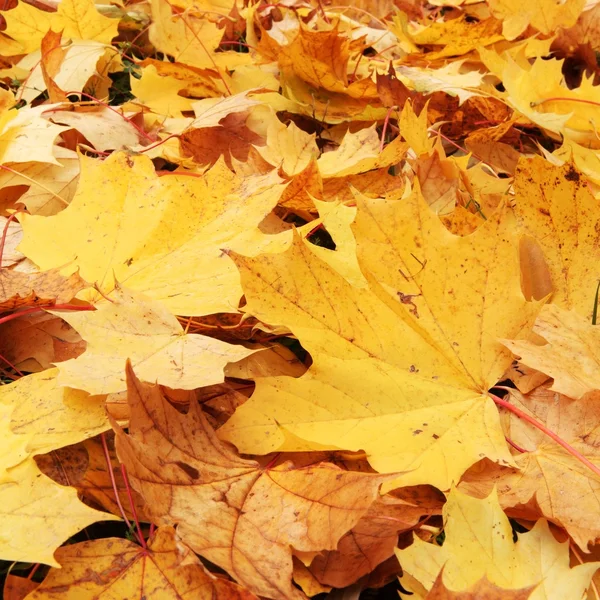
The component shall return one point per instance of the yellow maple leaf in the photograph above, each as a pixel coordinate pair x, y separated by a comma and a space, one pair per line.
144, 331
539, 92
77, 19
414, 129
319, 58
360, 152
38, 515
160, 93
479, 543
314, 74
458, 36
288, 148
413, 354
48, 416
160, 235
189, 38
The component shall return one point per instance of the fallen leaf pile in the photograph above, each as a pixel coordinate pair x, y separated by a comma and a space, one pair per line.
300, 299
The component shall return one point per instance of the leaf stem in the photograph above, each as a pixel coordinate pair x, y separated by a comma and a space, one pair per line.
515, 446
113, 481
140, 535
33, 570
11, 365
561, 98
31, 180
33, 309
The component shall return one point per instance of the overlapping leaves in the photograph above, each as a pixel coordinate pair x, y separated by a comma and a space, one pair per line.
440, 163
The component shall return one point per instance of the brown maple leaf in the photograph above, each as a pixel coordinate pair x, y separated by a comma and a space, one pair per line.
232, 511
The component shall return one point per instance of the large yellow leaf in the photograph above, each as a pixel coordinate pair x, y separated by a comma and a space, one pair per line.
133, 327
38, 515
114, 569
479, 542
160, 235
400, 368
237, 514
77, 19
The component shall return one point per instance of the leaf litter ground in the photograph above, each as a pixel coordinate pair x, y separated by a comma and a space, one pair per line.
299, 299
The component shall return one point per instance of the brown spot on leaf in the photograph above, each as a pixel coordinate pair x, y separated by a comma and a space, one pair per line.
572, 174
188, 469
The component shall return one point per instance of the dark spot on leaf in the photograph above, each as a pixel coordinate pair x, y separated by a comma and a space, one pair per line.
572, 174
188, 469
